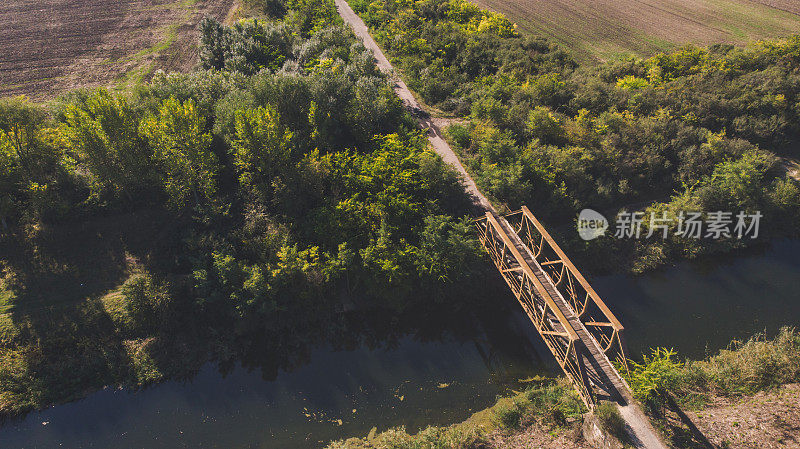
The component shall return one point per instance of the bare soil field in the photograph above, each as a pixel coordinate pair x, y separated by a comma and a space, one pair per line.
768, 420
51, 46
785, 5
603, 29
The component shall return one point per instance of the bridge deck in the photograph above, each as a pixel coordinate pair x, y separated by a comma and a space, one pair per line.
606, 382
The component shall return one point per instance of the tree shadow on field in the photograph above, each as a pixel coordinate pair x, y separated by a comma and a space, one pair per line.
68, 263
64, 340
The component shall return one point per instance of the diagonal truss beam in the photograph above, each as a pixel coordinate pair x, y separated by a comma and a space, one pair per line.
506, 251
584, 301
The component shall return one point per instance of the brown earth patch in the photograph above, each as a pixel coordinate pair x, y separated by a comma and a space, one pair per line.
768, 420
536, 437
51, 46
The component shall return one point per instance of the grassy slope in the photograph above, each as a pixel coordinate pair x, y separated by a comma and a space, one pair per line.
604, 29
546, 413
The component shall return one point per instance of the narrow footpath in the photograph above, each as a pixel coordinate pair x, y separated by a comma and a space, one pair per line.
639, 428
434, 133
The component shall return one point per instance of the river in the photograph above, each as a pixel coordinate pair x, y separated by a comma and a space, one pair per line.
422, 376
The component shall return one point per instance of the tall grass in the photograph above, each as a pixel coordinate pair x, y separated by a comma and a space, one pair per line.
744, 368
748, 367
611, 420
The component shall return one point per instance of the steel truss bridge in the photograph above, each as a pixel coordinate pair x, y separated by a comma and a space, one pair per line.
575, 324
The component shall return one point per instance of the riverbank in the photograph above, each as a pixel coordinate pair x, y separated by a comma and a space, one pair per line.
436, 367
433, 367
549, 411
729, 378
745, 396
201, 214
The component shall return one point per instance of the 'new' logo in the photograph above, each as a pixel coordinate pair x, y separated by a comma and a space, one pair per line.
591, 224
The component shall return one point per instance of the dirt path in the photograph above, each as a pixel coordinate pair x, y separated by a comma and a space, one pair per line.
434, 133
639, 428
792, 167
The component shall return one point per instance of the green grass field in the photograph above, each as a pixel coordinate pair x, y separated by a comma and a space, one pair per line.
604, 29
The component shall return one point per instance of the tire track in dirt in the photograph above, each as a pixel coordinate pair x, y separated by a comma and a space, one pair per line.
792, 6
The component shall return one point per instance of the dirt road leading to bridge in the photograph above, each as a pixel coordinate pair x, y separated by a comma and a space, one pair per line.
438, 143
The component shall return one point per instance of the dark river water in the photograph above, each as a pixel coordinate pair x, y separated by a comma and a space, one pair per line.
420, 378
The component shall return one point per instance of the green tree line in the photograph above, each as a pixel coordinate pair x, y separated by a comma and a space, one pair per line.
697, 129
287, 184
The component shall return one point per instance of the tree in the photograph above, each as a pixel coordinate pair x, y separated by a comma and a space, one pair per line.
9, 179
246, 47
256, 45
215, 40
261, 148
310, 16
737, 184
544, 125
447, 249
102, 132
20, 122
183, 151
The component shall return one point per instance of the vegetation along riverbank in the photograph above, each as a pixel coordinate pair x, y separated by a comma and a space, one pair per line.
280, 193
745, 396
259, 199
699, 129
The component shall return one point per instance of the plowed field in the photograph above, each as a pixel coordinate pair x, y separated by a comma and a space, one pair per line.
49, 46
602, 29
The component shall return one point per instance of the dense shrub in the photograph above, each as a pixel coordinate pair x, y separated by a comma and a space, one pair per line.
700, 125
447, 48
657, 372
146, 302
247, 47
750, 366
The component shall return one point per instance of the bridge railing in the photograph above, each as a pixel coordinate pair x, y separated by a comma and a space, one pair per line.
550, 322
585, 302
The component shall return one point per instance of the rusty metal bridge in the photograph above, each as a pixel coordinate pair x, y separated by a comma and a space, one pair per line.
575, 324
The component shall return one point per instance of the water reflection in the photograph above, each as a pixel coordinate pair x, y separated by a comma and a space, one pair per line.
699, 307
437, 370
433, 366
